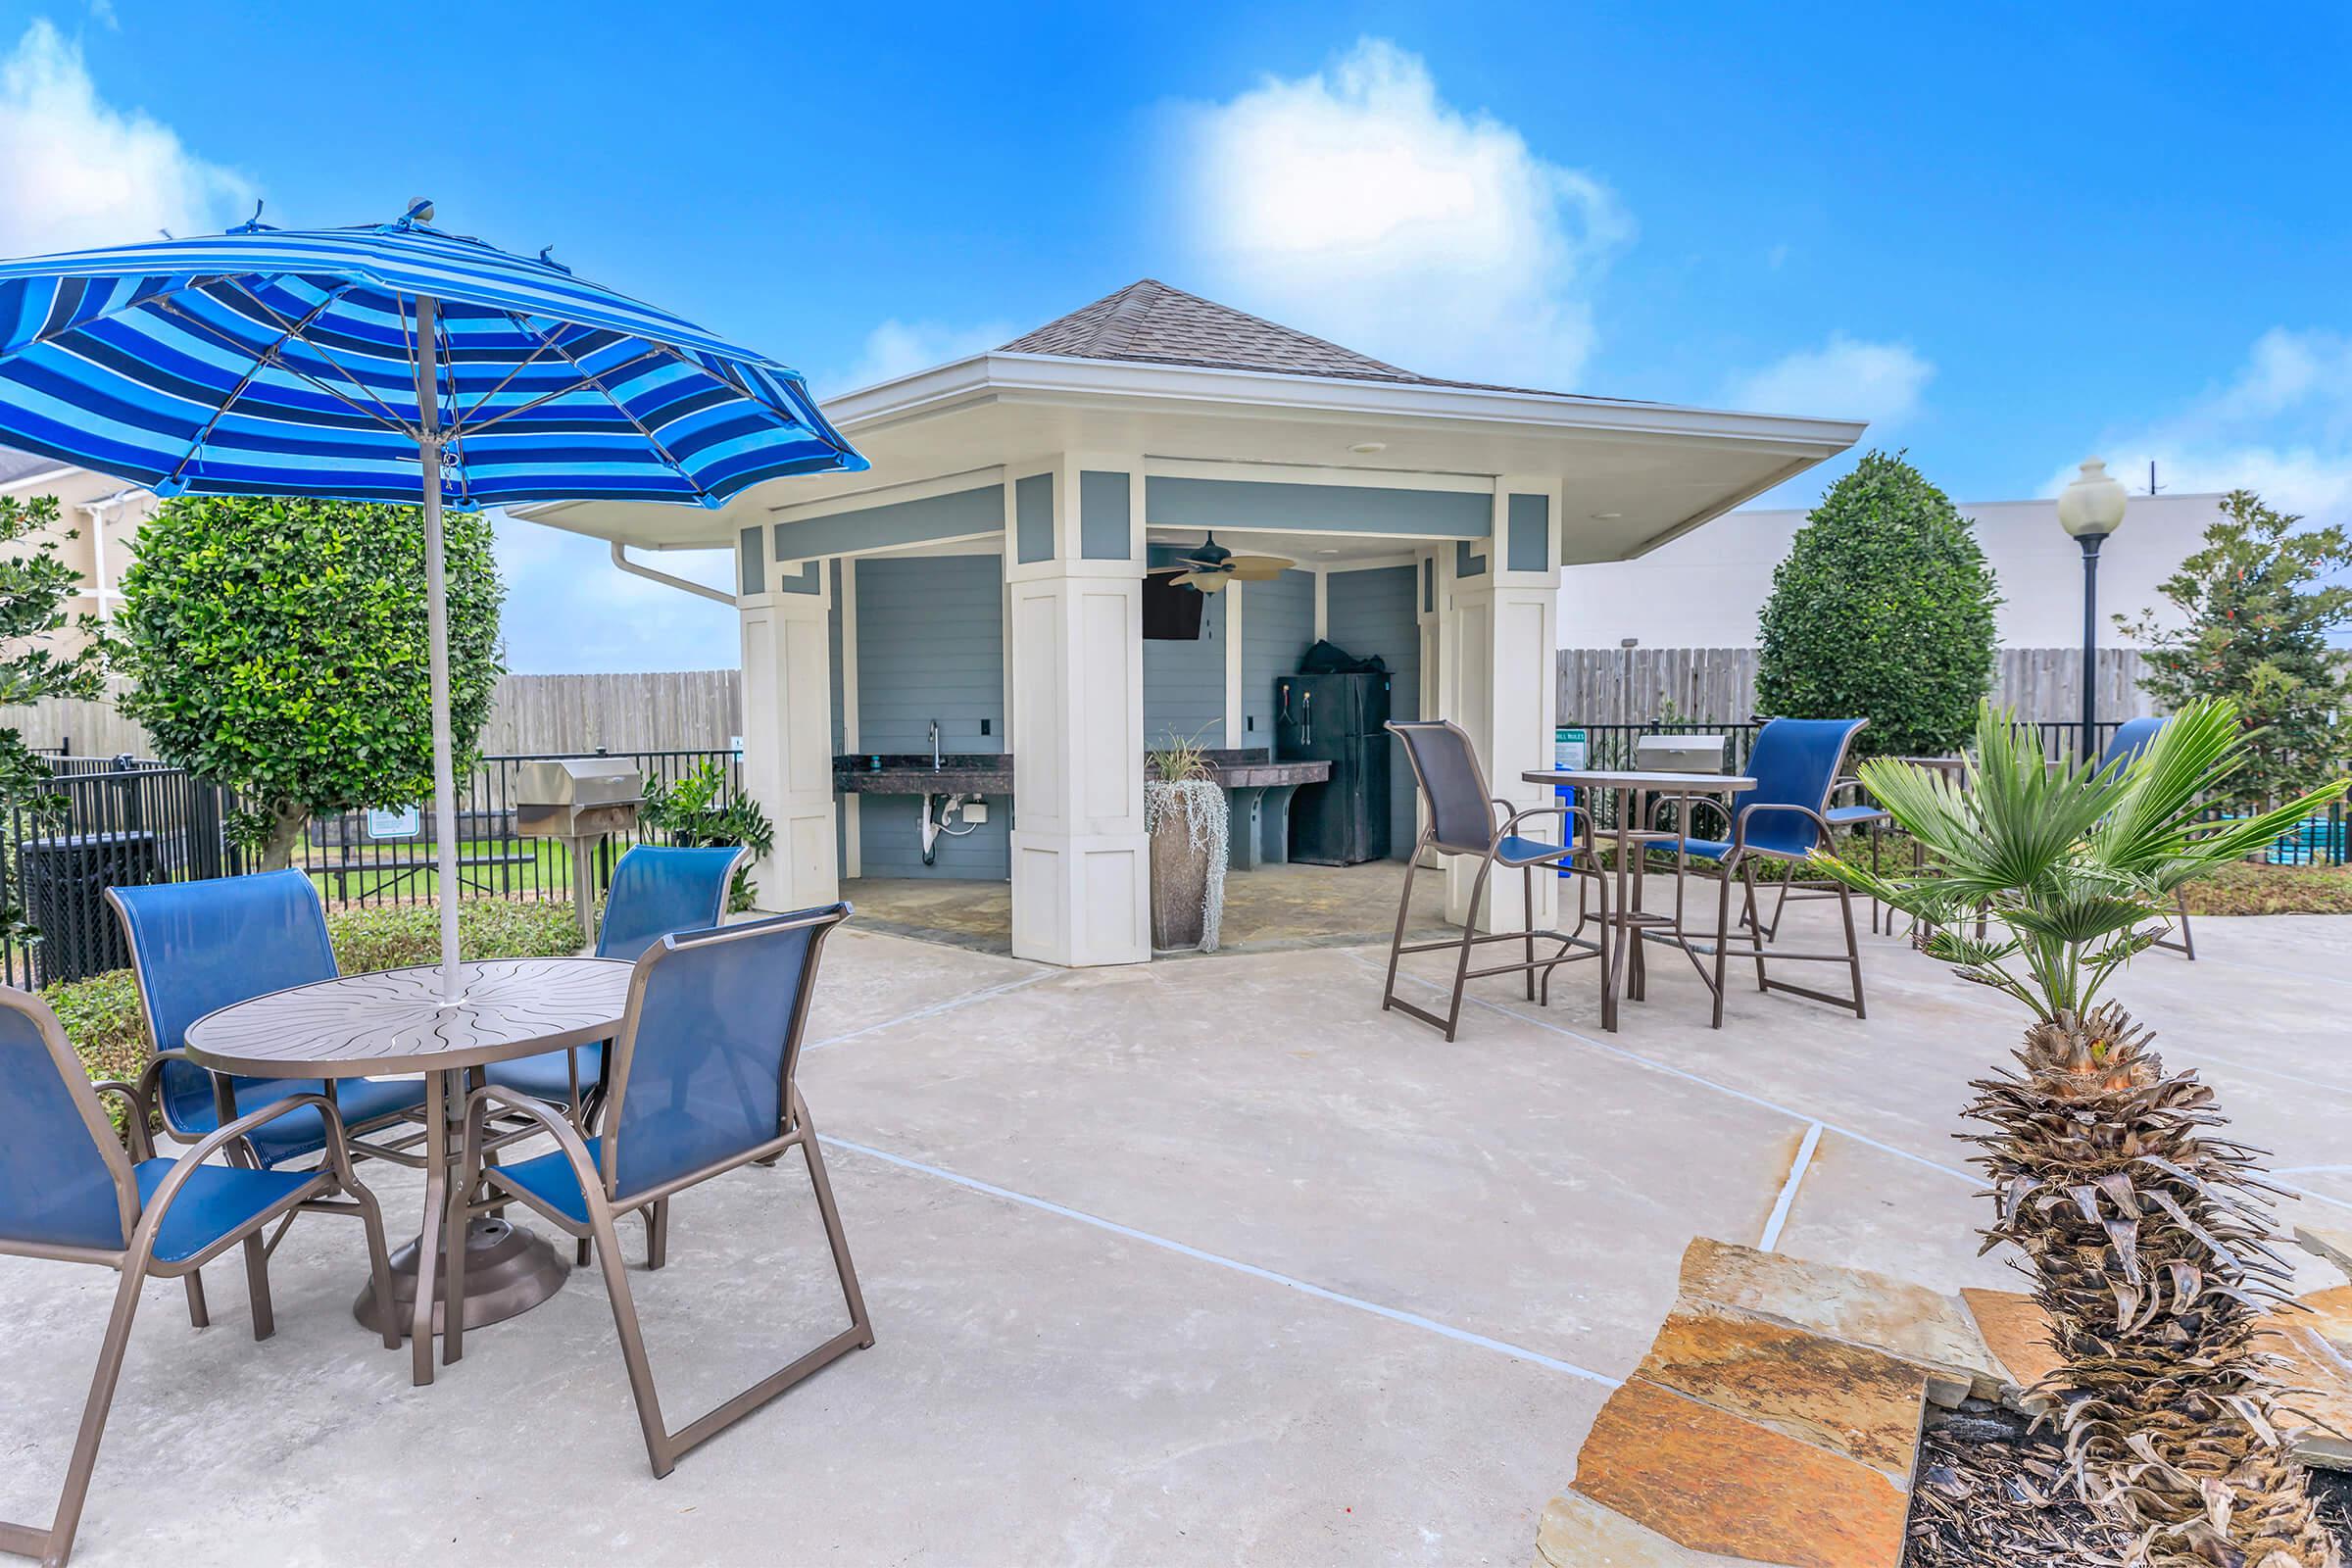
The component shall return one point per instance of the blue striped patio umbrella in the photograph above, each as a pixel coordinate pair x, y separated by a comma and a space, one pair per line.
392, 362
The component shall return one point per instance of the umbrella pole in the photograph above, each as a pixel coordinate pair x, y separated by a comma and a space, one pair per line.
436, 622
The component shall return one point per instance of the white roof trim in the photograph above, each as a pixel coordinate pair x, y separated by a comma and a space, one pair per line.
1052, 377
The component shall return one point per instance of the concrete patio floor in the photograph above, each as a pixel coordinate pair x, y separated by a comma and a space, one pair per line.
1200, 1262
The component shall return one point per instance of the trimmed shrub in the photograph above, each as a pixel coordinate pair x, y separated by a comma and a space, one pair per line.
101, 1014
1882, 610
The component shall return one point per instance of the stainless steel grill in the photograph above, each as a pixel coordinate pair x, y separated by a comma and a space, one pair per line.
576, 797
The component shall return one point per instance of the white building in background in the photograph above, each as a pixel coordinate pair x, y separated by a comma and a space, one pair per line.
101, 513
1707, 588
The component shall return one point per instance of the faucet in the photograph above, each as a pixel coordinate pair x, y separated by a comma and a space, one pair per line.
935, 757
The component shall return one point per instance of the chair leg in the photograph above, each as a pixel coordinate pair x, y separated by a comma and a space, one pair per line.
1854, 947
632, 1339
656, 1234
1404, 903
1461, 964
1723, 936
1754, 918
581, 1250
380, 1260
835, 1237
257, 1287
58, 1546
198, 1314
1527, 916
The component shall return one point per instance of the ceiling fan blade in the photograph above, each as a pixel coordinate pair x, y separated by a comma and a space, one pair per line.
1167, 572
1258, 568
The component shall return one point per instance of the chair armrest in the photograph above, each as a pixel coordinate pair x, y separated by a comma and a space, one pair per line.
1740, 819
1571, 815
134, 1121
184, 1166
567, 1137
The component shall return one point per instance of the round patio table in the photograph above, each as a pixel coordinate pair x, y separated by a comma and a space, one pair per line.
1633, 789
395, 1022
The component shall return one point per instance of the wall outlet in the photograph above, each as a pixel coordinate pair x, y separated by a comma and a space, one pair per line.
975, 811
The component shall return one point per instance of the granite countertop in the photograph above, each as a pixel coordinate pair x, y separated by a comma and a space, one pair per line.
911, 773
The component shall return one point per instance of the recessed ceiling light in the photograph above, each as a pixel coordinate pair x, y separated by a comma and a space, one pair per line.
1327, 552
1607, 516
1367, 448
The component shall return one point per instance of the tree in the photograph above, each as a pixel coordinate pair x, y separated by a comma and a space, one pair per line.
2144, 1225
2252, 629
34, 585
278, 648
1882, 610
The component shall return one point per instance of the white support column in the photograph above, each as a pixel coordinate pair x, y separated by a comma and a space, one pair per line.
1081, 863
788, 735
1499, 641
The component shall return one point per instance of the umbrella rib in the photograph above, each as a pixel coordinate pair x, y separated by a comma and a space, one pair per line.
384, 412
590, 377
505, 380
261, 361
219, 336
586, 380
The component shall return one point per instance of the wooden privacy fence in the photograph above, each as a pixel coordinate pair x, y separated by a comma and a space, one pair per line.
1718, 685
671, 710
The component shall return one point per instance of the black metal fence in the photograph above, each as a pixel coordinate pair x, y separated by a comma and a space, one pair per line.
2323, 839
124, 821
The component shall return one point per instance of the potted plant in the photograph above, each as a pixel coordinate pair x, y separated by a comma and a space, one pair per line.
1184, 811
2142, 1225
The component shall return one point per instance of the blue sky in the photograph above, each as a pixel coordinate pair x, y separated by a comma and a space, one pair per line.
2009, 235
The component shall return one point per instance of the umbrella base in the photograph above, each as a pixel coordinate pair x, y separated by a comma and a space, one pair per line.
508, 1272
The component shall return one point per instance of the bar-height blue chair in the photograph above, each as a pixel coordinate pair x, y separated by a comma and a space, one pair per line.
1797, 763
2124, 748
69, 1193
657, 891
1460, 813
702, 1082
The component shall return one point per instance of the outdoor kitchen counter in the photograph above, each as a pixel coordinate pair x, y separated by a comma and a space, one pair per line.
900, 774
1258, 789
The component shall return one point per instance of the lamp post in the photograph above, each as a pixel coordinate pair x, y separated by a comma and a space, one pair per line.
2091, 508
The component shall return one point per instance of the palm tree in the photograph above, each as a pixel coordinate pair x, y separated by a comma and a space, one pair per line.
2143, 1227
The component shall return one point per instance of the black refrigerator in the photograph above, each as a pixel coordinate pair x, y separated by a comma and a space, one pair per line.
1336, 719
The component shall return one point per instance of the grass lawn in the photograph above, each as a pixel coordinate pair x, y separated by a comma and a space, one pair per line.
2249, 889
486, 866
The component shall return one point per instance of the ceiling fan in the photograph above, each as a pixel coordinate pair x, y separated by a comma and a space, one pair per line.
1211, 566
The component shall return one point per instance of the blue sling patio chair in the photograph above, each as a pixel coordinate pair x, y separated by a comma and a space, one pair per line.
2124, 748
70, 1193
656, 892
702, 1084
1460, 813
1797, 763
200, 946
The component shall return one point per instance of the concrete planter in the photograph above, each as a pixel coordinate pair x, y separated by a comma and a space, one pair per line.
1187, 821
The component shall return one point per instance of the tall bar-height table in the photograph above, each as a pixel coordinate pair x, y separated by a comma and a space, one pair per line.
1634, 794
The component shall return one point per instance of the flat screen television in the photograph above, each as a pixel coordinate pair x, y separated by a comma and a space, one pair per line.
1171, 611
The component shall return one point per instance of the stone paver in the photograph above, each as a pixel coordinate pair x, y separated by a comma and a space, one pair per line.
1577, 1533
1713, 1481
1854, 1401
1892, 1315
2018, 1335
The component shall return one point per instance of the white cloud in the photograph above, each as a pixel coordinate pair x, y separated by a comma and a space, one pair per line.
1357, 204
2281, 425
899, 348
1845, 379
74, 171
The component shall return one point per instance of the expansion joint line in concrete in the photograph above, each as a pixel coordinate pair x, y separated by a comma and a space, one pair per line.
932, 1011
1518, 1352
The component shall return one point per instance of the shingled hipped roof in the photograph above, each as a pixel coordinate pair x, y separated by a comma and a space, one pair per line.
1150, 322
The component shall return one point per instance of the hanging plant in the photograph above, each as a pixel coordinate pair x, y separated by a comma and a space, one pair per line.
1185, 814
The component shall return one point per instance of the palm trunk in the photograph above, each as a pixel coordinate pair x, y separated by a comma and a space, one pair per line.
2146, 1239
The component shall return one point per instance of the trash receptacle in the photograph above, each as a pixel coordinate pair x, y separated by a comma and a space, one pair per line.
64, 881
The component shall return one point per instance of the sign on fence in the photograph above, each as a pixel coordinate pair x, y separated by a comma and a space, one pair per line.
404, 823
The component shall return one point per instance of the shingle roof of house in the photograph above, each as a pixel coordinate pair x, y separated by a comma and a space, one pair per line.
15, 464
1150, 322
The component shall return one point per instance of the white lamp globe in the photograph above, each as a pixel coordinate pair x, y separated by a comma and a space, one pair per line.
2093, 503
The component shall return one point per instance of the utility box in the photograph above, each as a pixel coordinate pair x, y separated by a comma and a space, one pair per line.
64, 881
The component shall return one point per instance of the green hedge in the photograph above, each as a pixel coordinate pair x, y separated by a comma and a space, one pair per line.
101, 1014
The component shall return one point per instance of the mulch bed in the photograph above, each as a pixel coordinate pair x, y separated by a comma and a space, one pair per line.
1992, 1494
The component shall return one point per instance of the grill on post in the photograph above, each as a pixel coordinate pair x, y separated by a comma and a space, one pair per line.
578, 799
